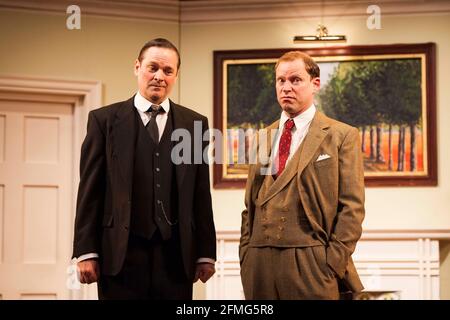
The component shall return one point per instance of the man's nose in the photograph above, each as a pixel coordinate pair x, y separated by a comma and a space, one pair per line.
159, 75
286, 87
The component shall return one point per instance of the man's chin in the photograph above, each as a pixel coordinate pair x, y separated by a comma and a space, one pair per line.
287, 107
156, 97
290, 110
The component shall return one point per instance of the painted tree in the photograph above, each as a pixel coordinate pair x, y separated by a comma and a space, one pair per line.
251, 96
402, 92
344, 98
373, 93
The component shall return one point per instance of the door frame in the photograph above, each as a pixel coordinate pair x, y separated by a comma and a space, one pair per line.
84, 95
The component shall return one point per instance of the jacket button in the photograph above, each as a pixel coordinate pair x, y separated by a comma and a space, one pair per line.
157, 169
157, 154
283, 219
278, 237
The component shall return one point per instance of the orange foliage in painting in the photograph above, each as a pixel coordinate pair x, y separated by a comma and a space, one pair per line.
385, 151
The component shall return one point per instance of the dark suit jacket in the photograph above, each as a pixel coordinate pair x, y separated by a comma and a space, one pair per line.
331, 192
104, 195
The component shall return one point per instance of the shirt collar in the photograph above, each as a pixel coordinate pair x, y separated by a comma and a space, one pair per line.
300, 120
143, 104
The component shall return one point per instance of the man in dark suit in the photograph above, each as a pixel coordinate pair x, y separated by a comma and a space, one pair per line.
144, 225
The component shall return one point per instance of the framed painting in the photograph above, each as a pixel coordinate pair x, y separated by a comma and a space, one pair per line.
387, 91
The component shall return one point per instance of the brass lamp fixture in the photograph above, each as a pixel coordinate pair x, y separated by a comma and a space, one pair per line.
321, 35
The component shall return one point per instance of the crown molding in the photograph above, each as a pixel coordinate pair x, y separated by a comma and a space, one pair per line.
155, 10
235, 10
204, 11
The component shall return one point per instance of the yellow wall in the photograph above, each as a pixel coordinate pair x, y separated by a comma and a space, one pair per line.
104, 49
387, 208
444, 252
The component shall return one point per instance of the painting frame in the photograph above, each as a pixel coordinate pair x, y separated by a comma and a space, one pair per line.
428, 84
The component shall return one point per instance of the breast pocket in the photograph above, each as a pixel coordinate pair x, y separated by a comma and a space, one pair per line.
325, 175
322, 163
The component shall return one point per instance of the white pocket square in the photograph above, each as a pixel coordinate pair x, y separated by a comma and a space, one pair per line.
323, 157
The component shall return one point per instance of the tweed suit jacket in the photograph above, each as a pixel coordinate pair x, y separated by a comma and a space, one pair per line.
331, 192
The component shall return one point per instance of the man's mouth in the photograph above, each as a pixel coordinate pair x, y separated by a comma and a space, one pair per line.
156, 86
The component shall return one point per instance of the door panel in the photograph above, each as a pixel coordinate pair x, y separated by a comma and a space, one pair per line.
36, 142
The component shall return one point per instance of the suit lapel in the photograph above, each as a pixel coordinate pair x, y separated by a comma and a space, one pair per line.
316, 134
123, 140
259, 167
180, 122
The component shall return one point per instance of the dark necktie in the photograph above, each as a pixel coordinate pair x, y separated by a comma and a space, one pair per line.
285, 145
152, 126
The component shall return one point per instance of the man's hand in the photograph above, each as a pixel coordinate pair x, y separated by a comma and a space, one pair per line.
88, 271
204, 271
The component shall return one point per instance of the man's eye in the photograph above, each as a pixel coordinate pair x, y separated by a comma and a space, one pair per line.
168, 72
153, 68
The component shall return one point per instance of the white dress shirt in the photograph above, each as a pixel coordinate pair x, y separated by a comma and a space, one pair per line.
302, 123
142, 105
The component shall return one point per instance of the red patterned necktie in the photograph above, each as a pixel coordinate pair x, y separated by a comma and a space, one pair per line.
285, 145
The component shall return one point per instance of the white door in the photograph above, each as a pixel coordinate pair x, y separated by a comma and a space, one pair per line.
36, 164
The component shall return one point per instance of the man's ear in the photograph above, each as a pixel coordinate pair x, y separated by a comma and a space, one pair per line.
316, 84
137, 64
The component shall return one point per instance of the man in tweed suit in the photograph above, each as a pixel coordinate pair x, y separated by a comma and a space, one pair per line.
305, 207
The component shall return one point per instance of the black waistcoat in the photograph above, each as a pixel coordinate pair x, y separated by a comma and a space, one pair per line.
154, 194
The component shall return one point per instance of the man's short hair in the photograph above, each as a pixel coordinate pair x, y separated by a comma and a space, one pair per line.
310, 65
160, 43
